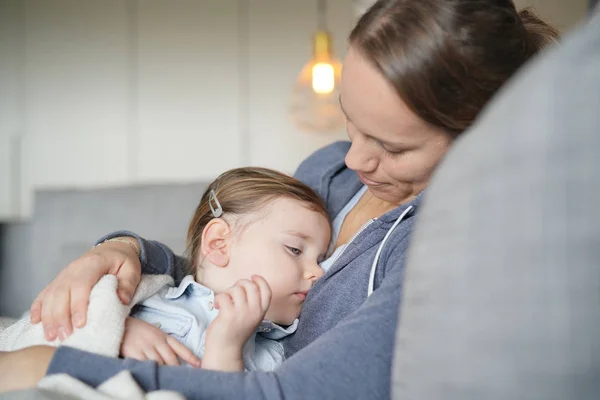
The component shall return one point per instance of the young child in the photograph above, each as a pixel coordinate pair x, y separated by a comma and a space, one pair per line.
254, 244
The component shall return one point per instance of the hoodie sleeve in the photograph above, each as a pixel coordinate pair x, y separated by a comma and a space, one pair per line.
352, 360
155, 257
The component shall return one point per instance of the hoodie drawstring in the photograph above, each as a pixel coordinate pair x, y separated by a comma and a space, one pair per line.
385, 238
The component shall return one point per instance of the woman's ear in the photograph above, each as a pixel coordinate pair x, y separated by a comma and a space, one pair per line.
214, 245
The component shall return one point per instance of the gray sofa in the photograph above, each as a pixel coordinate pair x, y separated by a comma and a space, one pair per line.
502, 285
66, 223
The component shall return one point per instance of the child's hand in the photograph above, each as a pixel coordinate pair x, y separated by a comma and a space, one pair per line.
241, 309
144, 341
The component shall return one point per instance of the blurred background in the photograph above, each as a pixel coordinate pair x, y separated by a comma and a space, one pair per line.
114, 114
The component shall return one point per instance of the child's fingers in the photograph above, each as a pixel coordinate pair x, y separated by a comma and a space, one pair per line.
252, 293
133, 353
183, 352
223, 302
138, 354
151, 354
238, 295
265, 291
167, 354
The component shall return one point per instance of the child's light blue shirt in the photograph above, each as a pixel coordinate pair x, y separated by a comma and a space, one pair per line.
186, 311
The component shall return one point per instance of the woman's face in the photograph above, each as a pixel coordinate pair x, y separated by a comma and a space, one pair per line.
393, 151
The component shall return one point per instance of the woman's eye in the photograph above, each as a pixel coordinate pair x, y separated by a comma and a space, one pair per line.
387, 149
382, 145
392, 151
395, 152
294, 250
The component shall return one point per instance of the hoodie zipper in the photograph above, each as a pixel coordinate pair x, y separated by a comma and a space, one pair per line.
362, 228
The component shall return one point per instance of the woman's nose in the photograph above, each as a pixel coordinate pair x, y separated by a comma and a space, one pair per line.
361, 157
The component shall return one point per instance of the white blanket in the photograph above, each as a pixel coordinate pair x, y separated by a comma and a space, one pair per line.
105, 325
121, 386
102, 334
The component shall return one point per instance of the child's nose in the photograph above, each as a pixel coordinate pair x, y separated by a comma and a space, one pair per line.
313, 272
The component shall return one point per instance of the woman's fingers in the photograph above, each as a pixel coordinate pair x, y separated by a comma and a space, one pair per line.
68, 300
82, 275
183, 352
61, 315
55, 311
64, 302
265, 291
49, 328
80, 299
36, 308
55, 300
128, 278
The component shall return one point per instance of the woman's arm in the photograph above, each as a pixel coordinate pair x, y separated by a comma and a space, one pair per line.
22, 369
155, 257
353, 360
63, 303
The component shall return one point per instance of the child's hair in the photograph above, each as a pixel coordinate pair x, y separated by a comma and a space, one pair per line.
242, 191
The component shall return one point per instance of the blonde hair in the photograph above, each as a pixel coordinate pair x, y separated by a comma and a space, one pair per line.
243, 191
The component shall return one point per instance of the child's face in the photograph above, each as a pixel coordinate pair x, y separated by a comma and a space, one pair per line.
285, 247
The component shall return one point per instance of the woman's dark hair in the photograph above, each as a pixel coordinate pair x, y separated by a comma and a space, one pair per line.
447, 58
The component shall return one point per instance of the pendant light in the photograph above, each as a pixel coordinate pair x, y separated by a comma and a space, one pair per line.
315, 99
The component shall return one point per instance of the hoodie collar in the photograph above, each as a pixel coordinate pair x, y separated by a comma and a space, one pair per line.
392, 216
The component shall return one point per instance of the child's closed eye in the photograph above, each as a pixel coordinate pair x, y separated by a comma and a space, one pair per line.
295, 251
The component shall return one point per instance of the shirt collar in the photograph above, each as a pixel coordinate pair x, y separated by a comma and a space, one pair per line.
267, 329
271, 330
187, 282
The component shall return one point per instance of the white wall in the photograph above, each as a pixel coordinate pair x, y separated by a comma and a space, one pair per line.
10, 106
76, 94
188, 89
116, 92
563, 14
279, 47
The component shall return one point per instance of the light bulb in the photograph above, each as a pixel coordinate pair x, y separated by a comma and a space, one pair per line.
315, 99
323, 78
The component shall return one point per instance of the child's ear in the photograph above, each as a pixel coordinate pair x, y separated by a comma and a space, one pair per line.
214, 245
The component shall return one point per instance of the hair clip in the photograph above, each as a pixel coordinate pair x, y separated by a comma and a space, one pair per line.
212, 197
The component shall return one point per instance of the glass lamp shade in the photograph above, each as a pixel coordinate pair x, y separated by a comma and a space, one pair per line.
315, 99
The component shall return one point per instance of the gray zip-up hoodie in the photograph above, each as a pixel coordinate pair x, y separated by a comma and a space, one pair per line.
344, 342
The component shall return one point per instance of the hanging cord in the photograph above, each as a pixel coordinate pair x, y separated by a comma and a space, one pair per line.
244, 81
322, 15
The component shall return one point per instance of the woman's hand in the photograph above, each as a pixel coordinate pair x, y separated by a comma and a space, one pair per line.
241, 309
23, 369
144, 341
63, 303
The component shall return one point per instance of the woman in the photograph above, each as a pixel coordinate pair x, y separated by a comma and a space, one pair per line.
416, 75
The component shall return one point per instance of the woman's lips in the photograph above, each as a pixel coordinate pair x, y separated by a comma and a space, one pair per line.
367, 181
